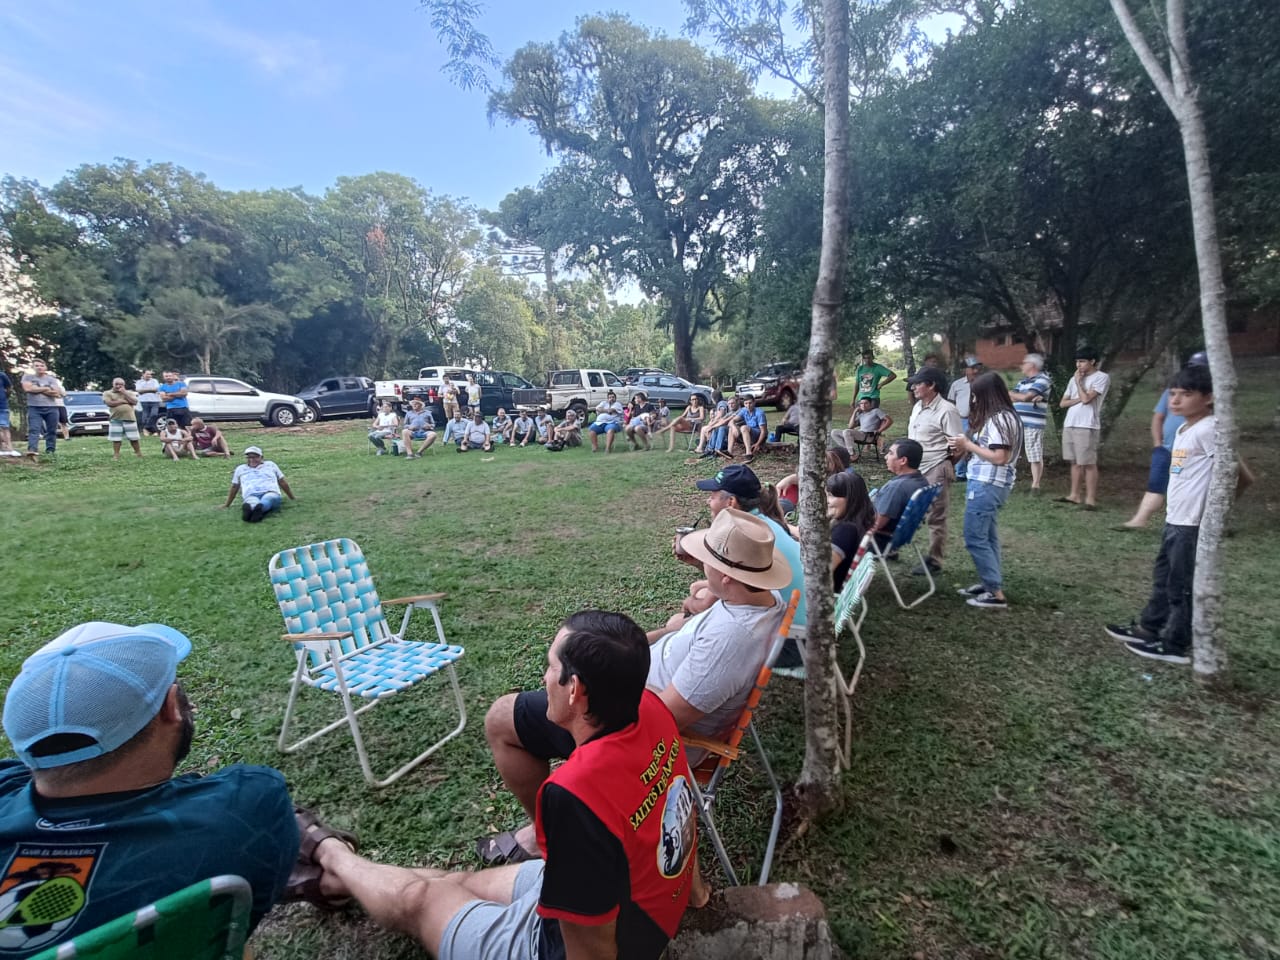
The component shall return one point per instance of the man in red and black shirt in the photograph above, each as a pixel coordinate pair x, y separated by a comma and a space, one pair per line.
616, 824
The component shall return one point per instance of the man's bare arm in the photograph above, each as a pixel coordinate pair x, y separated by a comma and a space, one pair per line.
582, 942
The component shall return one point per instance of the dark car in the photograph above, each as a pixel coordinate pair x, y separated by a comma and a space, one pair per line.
86, 413
633, 374
338, 397
776, 385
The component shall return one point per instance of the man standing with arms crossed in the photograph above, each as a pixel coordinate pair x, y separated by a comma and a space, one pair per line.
1083, 400
43, 390
1031, 401
124, 421
934, 419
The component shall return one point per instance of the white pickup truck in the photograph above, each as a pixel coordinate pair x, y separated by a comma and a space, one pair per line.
582, 390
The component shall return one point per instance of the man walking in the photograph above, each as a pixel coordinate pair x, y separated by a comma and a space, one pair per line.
934, 420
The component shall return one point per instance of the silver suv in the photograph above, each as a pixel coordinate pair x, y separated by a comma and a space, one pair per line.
222, 398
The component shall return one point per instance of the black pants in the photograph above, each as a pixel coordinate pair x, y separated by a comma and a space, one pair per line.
1168, 612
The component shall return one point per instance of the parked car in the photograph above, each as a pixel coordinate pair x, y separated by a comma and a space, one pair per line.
338, 397
776, 385
633, 374
674, 390
581, 390
498, 388
222, 398
86, 413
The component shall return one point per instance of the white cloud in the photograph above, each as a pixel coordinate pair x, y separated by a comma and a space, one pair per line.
30, 108
299, 62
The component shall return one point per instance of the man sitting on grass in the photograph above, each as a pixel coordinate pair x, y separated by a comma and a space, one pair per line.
477, 435
617, 823
91, 808
208, 440
703, 671
522, 428
261, 482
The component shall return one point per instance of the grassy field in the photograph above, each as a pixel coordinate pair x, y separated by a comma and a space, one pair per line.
1022, 787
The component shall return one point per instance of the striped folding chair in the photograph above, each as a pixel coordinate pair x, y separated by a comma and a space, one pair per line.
710, 773
344, 645
852, 599
208, 920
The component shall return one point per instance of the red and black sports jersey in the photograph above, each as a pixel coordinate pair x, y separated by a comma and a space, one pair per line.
618, 824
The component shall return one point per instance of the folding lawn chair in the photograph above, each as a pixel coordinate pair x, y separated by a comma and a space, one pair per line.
208, 920
850, 599
344, 645
709, 774
873, 443
904, 535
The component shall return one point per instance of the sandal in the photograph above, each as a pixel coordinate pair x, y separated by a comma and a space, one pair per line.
312, 833
502, 848
304, 879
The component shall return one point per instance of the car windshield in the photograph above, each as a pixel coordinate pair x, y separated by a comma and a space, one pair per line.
83, 399
773, 370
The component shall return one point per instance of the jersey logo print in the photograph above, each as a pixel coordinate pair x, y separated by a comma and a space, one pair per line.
43, 890
679, 823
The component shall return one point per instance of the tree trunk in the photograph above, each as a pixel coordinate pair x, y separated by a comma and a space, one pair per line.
682, 334
819, 786
1179, 93
904, 332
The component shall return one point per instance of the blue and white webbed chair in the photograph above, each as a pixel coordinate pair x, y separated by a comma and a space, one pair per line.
904, 535
851, 611
344, 645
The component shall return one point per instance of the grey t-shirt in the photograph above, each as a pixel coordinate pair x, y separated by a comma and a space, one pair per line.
892, 498
41, 399
714, 658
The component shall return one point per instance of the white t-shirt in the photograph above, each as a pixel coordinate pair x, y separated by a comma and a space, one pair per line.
607, 412
255, 481
1087, 415
477, 433
1190, 472
714, 658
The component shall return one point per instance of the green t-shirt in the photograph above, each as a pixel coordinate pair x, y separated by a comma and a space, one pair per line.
868, 377
121, 408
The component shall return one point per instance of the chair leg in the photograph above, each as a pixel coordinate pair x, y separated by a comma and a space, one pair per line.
776, 827
705, 803
893, 585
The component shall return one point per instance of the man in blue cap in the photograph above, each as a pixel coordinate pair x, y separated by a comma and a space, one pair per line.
99, 723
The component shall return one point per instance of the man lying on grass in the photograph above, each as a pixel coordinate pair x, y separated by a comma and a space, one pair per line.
703, 671
617, 822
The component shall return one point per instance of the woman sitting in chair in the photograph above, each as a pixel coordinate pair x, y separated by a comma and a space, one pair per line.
386, 425
851, 513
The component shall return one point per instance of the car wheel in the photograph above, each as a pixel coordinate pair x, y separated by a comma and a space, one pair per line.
786, 399
283, 416
580, 409
309, 415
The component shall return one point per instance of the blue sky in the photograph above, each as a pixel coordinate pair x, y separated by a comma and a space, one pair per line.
273, 93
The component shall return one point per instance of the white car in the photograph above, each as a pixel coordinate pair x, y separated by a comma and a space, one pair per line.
222, 398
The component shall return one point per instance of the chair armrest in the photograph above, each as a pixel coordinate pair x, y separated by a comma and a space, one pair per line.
718, 747
301, 637
420, 598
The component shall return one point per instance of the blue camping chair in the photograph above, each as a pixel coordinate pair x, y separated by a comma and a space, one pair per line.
904, 535
344, 644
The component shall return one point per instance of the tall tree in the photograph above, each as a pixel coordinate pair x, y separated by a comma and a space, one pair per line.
664, 154
819, 778
1177, 87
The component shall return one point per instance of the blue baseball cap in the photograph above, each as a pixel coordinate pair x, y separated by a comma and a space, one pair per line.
103, 681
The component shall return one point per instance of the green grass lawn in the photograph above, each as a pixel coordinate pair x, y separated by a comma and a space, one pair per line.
1021, 787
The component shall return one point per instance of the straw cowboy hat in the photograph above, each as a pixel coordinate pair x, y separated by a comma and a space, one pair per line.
740, 546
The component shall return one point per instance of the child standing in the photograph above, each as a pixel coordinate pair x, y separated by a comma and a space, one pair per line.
1163, 629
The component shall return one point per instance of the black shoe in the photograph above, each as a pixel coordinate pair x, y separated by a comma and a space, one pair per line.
258, 512
246, 513
976, 590
933, 565
1158, 650
988, 601
1133, 633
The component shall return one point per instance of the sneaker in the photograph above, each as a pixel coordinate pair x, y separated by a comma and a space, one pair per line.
1157, 650
1133, 633
919, 569
976, 590
988, 601
381, 452
257, 513
246, 512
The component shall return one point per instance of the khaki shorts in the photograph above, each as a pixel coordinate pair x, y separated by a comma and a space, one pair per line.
1080, 446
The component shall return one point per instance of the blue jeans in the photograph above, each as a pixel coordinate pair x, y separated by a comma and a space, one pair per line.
982, 502
42, 419
268, 501
719, 438
150, 413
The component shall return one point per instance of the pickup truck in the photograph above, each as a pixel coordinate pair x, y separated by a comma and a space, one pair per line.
582, 390
346, 396
498, 388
